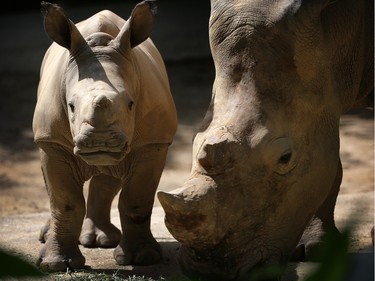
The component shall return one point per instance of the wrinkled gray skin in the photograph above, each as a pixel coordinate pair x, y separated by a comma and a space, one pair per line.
266, 168
105, 113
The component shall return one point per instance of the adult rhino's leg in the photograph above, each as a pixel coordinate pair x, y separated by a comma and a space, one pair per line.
137, 245
97, 230
322, 224
64, 186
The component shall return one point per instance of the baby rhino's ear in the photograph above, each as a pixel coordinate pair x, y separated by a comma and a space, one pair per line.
138, 27
60, 28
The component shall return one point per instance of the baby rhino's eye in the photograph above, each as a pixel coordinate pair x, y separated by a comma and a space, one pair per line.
130, 105
71, 106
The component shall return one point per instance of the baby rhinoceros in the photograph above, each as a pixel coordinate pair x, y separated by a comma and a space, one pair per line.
105, 113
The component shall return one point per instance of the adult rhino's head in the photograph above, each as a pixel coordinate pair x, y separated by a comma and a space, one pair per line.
267, 154
101, 81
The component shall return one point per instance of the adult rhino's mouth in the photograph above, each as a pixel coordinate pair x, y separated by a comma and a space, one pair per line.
218, 264
210, 265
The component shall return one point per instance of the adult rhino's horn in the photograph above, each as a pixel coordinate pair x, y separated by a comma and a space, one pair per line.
171, 202
60, 28
190, 212
198, 191
138, 27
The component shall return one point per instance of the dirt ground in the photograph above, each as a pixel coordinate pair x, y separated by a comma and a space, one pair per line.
22, 191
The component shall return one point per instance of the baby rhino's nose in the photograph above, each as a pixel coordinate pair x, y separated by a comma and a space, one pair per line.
101, 101
102, 113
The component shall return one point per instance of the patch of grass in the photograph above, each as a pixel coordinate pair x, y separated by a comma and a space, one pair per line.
88, 276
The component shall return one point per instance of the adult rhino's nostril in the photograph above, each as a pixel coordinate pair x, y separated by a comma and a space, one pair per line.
101, 101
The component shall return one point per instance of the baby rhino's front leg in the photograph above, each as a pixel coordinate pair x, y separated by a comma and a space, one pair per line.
137, 245
67, 211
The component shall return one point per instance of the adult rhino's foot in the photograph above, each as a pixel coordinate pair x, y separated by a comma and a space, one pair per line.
145, 252
54, 258
308, 251
313, 240
105, 236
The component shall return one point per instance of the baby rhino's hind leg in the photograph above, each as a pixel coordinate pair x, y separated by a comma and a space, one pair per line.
43, 235
97, 229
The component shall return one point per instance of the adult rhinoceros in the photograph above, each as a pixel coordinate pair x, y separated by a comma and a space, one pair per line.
266, 161
105, 112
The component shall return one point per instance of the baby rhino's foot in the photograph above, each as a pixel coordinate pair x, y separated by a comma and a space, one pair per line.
138, 252
105, 236
58, 258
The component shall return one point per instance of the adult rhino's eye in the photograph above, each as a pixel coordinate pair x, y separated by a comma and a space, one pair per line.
280, 154
130, 105
71, 106
285, 158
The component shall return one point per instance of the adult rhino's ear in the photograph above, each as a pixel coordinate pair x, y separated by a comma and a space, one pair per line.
138, 27
59, 27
